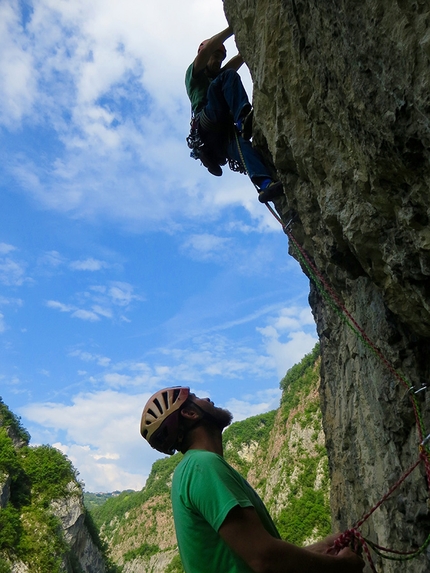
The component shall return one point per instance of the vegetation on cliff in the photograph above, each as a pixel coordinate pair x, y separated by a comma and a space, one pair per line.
306, 515
31, 478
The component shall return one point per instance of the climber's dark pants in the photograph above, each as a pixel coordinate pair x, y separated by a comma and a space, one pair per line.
226, 99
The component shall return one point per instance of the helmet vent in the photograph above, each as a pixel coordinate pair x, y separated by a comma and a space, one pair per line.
166, 399
176, 393
151, 412
157, 403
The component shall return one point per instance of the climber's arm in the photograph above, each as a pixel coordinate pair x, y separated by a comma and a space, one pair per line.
209, 48
234, 63
243, 531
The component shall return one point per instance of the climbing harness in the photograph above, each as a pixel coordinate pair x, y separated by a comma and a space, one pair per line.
199, 150
352, 537
194, 141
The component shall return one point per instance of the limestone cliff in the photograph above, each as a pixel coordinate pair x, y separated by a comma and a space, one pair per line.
43, 523
342, 107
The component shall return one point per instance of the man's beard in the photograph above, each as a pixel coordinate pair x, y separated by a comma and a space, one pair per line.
221, 417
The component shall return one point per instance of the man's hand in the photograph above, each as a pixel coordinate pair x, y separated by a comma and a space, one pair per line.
243, 531
324, 545
209, 48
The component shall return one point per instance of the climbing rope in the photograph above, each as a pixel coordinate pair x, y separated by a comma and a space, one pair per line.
352, 537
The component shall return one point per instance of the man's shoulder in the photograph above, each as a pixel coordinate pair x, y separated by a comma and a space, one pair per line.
196, 456
189, 72
195, 459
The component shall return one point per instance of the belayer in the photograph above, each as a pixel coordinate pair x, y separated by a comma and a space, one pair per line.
221, 524
221, 124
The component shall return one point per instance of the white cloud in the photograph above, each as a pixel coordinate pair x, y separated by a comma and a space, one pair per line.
99, 429
102, 299
11, 301
59, 306
121, 293
89, 264
5, 248
259, 403
100, 86
74, 312
86, 315
12, 273
89, 357
116, 119
2, 323
206, 246
52, 259
293, 325
116, 293
17, 81
102, 437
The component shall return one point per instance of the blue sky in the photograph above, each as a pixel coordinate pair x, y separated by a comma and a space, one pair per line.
124, 265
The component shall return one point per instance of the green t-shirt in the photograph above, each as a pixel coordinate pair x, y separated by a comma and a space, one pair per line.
204, 489
197, 88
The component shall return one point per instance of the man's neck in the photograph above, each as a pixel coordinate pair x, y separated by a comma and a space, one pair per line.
203, 439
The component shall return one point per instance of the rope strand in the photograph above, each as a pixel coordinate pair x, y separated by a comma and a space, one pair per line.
353, 537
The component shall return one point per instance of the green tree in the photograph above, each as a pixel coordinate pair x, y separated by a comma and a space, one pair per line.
8, 419
48, 470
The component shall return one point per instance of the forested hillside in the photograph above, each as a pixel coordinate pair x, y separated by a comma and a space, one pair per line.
44, 527
281, 453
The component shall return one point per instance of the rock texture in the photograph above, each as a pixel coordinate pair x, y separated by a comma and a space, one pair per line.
342, 108
71, 512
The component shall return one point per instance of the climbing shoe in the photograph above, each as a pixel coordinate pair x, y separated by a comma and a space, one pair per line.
272, 191
244, 125
211, 165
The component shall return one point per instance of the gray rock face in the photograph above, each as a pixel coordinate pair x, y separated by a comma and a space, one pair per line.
70, 511
4, 489
342, 108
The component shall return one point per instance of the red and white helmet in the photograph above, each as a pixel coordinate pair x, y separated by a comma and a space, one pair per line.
160, 418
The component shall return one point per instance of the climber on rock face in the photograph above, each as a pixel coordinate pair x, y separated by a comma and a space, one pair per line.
220, 106
221, 523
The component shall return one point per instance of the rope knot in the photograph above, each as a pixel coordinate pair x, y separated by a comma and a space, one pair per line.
346, 539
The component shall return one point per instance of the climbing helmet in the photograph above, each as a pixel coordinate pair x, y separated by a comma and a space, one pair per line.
160, 418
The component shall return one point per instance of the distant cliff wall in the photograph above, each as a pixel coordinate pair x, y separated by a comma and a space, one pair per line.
44, 525
342, 107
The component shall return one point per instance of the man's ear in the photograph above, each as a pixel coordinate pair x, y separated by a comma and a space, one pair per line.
190, 413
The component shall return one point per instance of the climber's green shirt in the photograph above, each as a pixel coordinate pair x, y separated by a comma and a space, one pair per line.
197, 88
204, 489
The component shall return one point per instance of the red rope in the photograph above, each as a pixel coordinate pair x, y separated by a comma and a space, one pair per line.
352, 537
389, 492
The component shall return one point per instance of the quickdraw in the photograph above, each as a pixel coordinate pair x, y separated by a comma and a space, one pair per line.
194, 140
